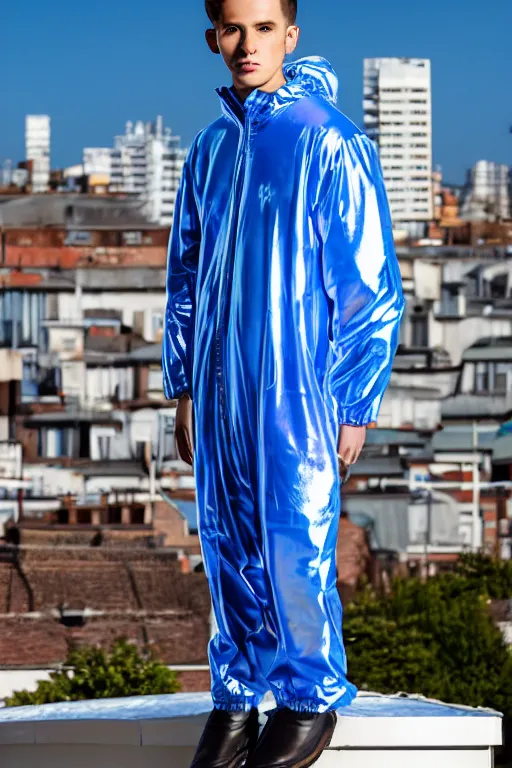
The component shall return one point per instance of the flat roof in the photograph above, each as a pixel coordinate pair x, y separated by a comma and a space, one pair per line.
372, 720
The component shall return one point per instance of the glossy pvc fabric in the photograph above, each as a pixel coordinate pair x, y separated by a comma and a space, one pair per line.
284, 302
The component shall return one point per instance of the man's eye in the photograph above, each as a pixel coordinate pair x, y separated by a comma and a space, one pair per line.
230, 29
265, 28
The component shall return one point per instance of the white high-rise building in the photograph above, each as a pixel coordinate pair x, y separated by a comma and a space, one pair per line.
97, 160
398, 117
37, 149
146, 160
487, 194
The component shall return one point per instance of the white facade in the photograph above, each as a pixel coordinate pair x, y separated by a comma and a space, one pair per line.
97, 160
487, 193
146, 160
398, 117
73, 171
150, 307
19, 177
37, 149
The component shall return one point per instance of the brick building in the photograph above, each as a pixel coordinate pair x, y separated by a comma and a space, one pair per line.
52, 599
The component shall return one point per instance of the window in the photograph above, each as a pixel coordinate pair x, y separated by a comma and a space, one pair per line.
419, 325
139, 450
78, 238
157, 323
49, 382
167, 445
132, 238
155, 381
137, 516
53, 443
482, 377
502, 377
52, 306
104, 447
29, 383
493, 377
114, 515
83, 516
68, 343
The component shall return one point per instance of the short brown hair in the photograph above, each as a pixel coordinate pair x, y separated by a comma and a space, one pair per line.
214, 10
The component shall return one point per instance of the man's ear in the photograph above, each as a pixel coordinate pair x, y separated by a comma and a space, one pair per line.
292, 38
211, 39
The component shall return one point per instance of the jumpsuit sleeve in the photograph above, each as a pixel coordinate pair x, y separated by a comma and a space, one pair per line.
182, 261
361, 277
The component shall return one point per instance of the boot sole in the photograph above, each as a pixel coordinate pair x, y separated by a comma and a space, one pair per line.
314, 757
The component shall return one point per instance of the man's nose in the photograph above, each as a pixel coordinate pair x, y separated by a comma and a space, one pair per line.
248, 44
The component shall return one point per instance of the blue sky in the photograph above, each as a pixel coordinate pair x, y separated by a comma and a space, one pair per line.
95, 64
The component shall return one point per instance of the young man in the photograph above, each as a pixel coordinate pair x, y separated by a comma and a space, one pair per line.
284, 302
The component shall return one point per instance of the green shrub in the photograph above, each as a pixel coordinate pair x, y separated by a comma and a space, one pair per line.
436, 638
91, 673
489, 575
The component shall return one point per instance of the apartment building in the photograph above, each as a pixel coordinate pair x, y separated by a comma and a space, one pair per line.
488, 192
397, 116
147, 161
37, 150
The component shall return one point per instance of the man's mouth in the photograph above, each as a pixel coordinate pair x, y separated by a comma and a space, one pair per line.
247, 66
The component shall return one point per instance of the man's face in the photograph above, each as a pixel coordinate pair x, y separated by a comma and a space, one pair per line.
253, 37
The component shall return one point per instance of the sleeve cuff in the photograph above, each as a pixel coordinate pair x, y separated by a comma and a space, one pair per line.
355, 417
175, 394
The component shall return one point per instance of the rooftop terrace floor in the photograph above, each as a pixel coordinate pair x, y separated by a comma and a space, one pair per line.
157, 731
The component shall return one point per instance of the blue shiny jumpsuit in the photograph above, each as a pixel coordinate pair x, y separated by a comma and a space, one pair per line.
284, 301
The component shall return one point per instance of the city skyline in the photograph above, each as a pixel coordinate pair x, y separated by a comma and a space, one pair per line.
79, 80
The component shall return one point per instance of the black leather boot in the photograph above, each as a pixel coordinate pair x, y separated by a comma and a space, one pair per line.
293, 739
227, 739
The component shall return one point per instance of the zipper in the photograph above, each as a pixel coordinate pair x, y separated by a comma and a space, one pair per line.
221, 324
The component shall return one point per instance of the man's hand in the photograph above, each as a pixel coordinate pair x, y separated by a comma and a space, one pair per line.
350, 443
183, 431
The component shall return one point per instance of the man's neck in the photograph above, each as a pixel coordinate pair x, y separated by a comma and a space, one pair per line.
273, 84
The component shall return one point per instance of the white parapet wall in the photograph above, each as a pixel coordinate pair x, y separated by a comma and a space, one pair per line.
162, 732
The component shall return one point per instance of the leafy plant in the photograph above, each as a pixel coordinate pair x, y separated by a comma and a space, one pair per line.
436, 638
489, 575
91, 673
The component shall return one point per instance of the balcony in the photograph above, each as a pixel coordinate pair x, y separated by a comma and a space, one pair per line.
388, 731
